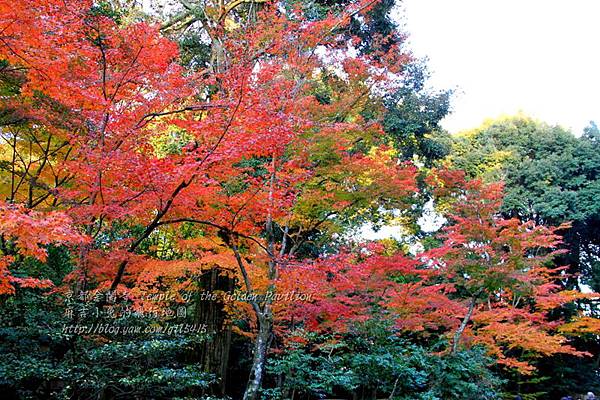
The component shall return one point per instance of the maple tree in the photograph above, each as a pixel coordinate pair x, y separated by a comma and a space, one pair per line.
502, 267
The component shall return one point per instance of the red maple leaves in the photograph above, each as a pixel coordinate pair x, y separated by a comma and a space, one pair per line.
25, 233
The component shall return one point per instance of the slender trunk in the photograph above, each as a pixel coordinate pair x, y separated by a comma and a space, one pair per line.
463, 325
13, 164
264, 315
394, 389
259, 358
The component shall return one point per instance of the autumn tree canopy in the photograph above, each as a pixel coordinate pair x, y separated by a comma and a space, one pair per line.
182, 192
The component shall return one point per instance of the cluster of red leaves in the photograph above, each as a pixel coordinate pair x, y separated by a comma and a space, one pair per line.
28, 232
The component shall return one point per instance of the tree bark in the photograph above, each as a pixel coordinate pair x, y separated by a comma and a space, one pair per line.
463, 325
259, 357
264, 314
214, 353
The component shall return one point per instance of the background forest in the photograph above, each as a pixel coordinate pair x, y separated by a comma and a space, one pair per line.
185, 188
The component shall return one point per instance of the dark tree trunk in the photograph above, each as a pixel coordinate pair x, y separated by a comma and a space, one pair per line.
214, 354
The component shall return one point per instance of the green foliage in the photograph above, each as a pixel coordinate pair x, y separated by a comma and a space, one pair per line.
378, 31
373, 361
317, 374
41, 358
465, 375
107, 9
195, 51
413, 115
550, 174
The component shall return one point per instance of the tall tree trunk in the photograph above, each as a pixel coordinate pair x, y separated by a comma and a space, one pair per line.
210, 313
264, 314
261, 346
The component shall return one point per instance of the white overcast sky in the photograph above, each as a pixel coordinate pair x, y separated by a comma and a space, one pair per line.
541, 57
